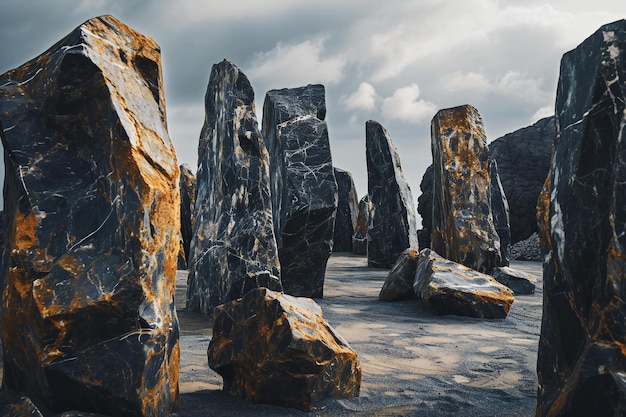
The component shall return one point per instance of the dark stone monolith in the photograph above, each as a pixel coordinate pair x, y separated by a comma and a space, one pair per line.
233, 249
425, 208
359, 240
347, 210
88, 317
581, 366
392, 226
187, 203
304, 189
499, 212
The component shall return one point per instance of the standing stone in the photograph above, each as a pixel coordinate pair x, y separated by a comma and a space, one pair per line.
233, 249
463, 229
499, 211
347, 208
392, 226
278, 349
581, 365
523, 159
304, 189
425, 208
92, 206
359, 240
187, 203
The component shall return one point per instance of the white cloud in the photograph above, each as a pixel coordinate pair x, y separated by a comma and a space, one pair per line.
542, 112
364, 98
405, 105
293, 65
470, 81
515, 84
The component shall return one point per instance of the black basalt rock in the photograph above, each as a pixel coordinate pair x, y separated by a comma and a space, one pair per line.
187, 203
392, 226
359, 240
347, 210
304, 189
581, 365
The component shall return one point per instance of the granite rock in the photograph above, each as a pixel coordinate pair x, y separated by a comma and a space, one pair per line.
445, 287
581, 365
359, 240
187, 203
233, 248
462, 222
278, 349
518, 281
347, 210
304, 189
392, 225
92, 206
400, 280
523, 159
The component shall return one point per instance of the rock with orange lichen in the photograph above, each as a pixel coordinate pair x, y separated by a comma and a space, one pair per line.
446, 287
92, 206
399, 282
278, 349
462, 221
233, 248
581, 365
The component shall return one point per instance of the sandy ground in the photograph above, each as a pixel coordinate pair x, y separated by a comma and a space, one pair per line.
414, 363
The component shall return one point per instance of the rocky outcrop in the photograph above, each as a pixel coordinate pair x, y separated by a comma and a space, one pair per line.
92, 206
359, 240
518, 281
187, 202
582, 359
392, 225
499, 211
304, 190
233, 249
278, 349
445, 287
523, 159
347, 209
400, 280
462, 225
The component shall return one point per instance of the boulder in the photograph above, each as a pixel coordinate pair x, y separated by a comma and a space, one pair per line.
92, 206
359, 240
399, 282
347, 208
500, 212
527, 249
187, 203
425, 208
462, 222
233, 248
278, 349
445, 287
304, 189
392, 225
518, 281
581, 365
523, 159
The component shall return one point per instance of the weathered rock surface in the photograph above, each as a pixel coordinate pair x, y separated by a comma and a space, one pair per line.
392, 225
446, 287
304, 189
523, 159
274, 348
526, 250
233, 247
187, 203
399, 282
92, 206
359, 240
13, 404
347, 210
581, 364
518, 281
425, 208
499, 212
462, 221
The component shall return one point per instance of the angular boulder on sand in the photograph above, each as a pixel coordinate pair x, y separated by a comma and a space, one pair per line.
462, 220
233, 248
347, 210
92, 206
399, 282
581, 364
446, 287
392, 226
278, 349
517, 281
359, 240
187, 203
304, 189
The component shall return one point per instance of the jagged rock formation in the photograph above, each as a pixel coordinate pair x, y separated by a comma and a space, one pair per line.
446, 287
425, 208
392, 225
527, 249
359, 240
499, 211
278, 349
523, 159
582, 357
518, 281
347, 210
399, 282
92, 210
462, 225
304, 190
187, 203
233, 247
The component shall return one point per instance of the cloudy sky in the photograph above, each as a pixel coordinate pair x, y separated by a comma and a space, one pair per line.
396, 62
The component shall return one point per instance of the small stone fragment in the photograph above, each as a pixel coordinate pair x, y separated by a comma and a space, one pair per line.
518, 281
399, 282
347, 210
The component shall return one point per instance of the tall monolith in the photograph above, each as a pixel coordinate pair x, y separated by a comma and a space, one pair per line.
347, 211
